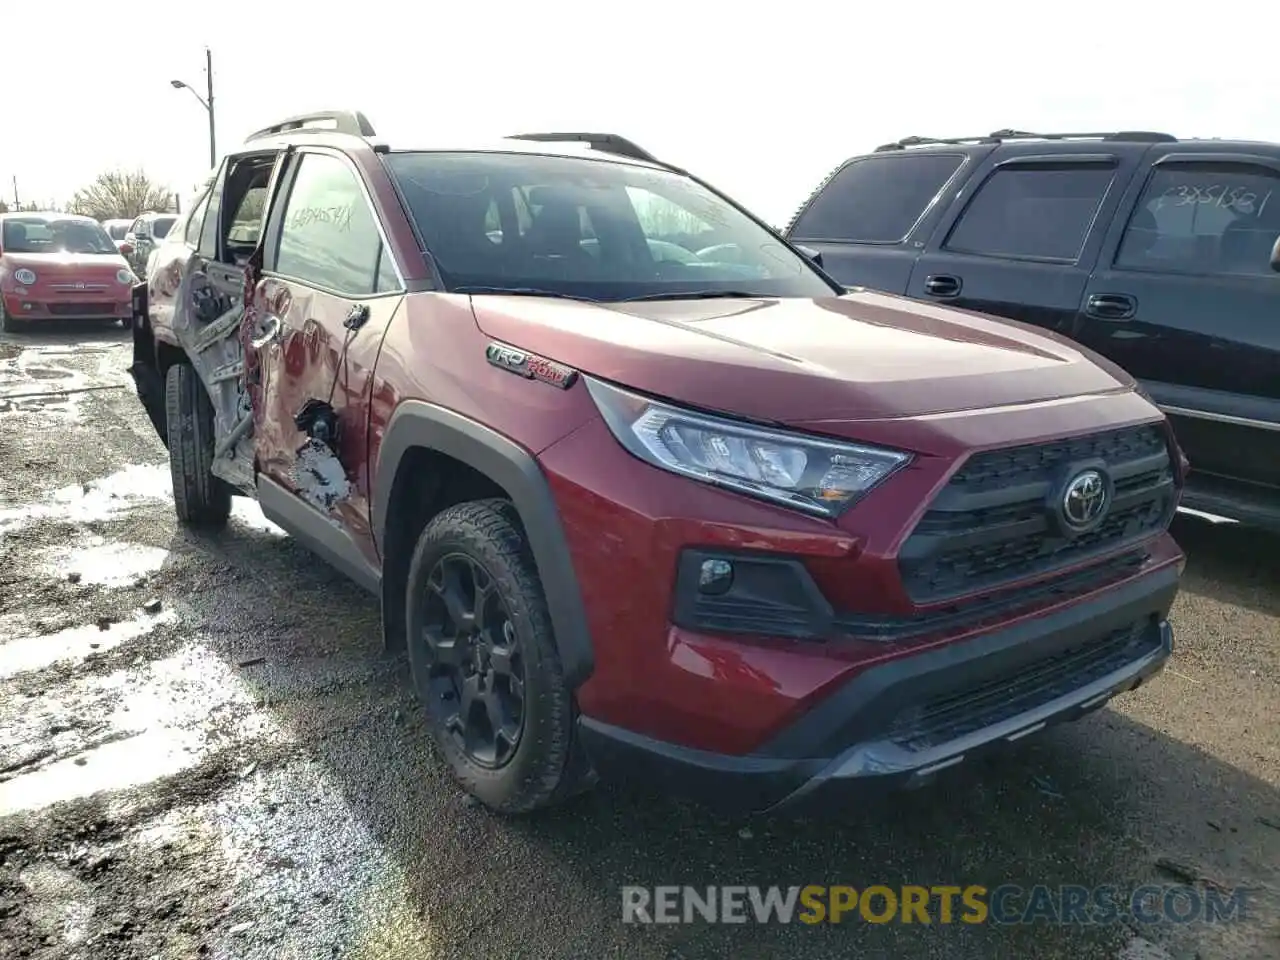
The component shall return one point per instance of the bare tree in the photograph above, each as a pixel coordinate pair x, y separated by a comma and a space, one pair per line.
120, 194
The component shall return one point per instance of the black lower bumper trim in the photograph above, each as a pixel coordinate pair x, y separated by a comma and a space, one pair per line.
898, 725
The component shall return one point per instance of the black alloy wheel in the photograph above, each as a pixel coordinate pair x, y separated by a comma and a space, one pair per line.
475, 666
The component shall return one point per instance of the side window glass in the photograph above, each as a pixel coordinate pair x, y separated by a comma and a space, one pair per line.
192, 233
1204, 219
876, 199
246, 223
329, 237
387, 282
1034, 212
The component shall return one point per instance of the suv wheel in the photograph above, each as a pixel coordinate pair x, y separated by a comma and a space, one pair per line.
199, 498
484, 660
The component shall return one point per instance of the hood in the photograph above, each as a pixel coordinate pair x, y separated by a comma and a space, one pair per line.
857, 357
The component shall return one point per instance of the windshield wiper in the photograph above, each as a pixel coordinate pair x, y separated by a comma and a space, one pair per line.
696, 295
521, 292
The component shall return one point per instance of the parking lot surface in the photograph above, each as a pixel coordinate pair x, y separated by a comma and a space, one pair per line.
204, 752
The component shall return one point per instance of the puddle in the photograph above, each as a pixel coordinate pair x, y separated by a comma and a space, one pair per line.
75, 643
119, 765
160, 720
110, 564
100, 499
35, 370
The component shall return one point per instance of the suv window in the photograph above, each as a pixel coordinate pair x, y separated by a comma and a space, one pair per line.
589, 228
1205, 219
330, 237
1035, 212
192, 233
876, 199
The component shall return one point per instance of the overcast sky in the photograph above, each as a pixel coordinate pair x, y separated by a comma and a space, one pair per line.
761, 98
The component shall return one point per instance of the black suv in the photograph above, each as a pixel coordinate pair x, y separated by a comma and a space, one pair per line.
1153, 251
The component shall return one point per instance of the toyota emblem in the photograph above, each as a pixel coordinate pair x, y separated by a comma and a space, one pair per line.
1084, 501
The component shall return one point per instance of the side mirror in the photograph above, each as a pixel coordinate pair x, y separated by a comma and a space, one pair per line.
126, 248
814, 255
1275, 256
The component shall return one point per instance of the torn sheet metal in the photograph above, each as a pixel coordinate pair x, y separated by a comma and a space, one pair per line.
319, 475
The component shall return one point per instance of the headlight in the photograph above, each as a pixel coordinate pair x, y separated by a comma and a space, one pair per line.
24, 276
818, 476
126, 277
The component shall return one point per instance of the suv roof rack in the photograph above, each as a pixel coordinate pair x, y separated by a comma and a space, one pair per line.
343, 121
604, 142
1000, 136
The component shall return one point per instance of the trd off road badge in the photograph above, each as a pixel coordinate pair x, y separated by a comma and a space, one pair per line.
530, 365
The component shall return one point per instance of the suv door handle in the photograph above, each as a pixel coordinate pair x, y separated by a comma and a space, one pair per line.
942, 286
1111, 306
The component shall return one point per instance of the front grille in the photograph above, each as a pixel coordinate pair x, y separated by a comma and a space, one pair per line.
993, 523
958, 714
81, 309
78, 287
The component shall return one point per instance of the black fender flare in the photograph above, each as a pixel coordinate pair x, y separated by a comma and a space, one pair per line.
416, 423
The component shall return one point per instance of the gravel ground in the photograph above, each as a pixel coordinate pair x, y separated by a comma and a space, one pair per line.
204, 752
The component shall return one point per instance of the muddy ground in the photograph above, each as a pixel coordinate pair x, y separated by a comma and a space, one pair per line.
205, 753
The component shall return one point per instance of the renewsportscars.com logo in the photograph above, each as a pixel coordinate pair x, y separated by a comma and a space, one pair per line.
971, 904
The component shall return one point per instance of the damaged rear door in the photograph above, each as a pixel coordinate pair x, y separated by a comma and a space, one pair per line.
328, 290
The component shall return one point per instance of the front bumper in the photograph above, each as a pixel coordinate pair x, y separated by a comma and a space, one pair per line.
900, 724
56, 310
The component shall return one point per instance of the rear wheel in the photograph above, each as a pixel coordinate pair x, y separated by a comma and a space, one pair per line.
484, 659
199, 498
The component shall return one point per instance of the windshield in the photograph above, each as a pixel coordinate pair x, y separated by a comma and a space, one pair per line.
42, 235
116, 229
589, 228
161, 226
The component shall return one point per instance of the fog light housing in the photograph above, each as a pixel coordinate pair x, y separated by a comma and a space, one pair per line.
715, 577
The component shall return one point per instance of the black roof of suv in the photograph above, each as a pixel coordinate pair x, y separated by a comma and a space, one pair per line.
1153, 251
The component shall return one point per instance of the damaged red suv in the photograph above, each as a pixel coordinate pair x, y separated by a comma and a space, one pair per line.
641, 489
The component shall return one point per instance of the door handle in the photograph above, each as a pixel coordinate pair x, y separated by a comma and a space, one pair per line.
268, 332
1111, 306
942, 286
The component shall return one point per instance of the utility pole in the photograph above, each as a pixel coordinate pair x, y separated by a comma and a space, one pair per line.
208, 70
16, 205
206, 101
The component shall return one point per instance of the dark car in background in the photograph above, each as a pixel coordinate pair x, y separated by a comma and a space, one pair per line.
1152, 251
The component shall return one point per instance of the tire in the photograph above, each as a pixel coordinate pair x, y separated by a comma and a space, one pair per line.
542, 768
199, 498
9, 323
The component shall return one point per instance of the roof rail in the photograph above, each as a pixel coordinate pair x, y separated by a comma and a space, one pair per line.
604, 142
343, 121
1000, 136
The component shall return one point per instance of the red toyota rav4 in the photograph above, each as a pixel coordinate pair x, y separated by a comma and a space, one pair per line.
640, 488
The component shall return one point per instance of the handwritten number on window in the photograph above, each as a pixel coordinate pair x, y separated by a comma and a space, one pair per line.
1240, 200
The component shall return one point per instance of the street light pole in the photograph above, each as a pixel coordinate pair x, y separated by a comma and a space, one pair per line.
213, 143
206, 102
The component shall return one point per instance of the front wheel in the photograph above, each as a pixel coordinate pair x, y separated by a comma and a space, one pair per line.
484, 660
9, 323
